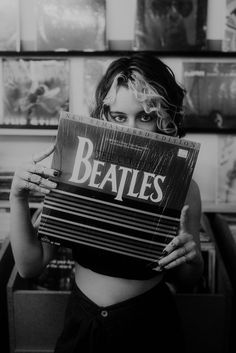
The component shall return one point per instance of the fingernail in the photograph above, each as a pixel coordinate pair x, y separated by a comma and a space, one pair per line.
56, 173
158, 268
152, 264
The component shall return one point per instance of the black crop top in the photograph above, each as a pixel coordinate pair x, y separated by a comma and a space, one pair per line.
112, 264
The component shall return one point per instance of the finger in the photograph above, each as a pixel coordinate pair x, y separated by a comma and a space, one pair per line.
182, 251
181, 260
158, 269
176, 242
47, 183
26, 185
42, 170
36, 179
38, 157
183, 219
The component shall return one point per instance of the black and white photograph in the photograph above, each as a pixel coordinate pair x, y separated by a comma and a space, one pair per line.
117, 176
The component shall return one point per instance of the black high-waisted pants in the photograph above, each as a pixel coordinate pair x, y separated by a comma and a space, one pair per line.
146, 323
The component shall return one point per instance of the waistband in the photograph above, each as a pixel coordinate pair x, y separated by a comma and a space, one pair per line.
159, 291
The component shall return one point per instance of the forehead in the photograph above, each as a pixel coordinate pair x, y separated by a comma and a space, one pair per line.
125, 101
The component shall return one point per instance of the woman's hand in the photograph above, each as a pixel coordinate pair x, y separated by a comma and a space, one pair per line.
182, 249
33, 176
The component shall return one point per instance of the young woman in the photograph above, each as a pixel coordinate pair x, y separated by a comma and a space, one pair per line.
108, 310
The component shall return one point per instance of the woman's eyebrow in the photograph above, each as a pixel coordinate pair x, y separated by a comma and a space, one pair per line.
141, 112
116, 112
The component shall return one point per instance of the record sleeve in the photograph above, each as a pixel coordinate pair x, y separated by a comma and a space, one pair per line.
34, 92
170, 25
210, 100
226, 185
70, 25
120, 189
9, 25
229, 40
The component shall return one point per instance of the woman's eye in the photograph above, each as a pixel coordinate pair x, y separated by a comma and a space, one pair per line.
119, 118
145, 118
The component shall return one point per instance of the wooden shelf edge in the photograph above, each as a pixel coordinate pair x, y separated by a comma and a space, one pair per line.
28, 132
72, 53
219, 207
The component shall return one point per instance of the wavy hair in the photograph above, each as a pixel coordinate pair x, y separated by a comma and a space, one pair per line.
154, 86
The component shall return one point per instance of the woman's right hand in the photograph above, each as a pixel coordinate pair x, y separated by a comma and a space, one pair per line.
33, 176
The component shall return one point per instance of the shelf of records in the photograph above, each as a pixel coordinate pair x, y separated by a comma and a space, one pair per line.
34, 91
88, 25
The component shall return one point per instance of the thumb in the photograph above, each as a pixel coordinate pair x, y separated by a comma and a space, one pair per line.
184, 219
38, 157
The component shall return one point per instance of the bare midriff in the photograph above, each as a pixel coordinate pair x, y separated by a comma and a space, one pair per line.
106, 290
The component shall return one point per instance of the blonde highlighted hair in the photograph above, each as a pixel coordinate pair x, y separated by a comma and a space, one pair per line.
154, 86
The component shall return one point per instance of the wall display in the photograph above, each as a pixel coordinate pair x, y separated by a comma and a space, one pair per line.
34, 92
170, 25
211, 95
229, 41
9, 25
70, 25
140, 177
226, 189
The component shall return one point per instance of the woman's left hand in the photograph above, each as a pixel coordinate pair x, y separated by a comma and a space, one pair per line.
182, 249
